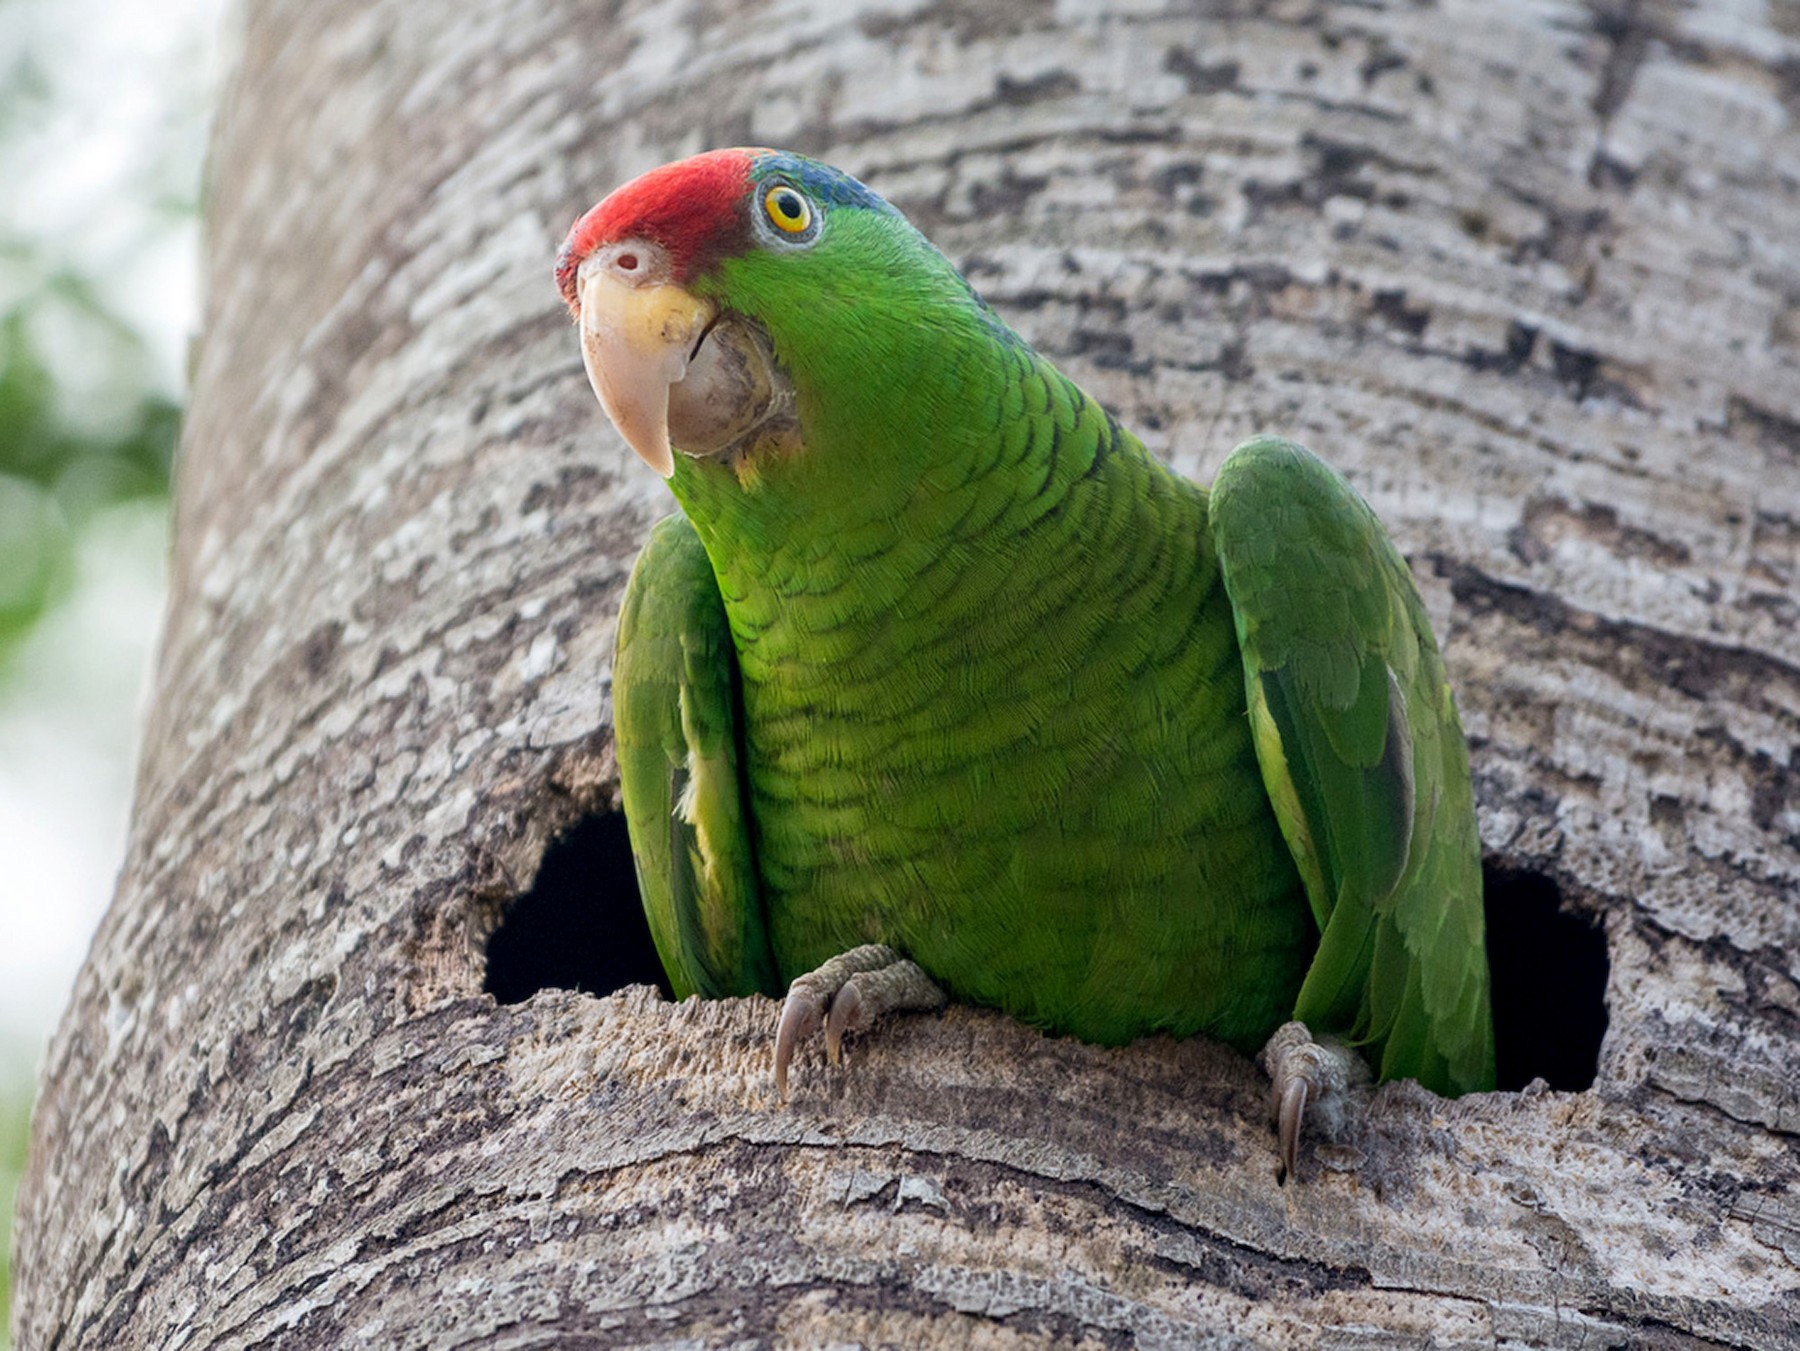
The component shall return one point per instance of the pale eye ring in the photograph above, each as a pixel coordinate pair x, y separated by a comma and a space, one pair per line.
787, 209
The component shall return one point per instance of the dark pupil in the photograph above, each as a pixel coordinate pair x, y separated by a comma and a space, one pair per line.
788, 205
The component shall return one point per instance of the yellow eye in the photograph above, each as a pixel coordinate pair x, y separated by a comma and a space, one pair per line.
790, 212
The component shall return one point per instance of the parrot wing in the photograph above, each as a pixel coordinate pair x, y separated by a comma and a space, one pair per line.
678, 723
1364, 761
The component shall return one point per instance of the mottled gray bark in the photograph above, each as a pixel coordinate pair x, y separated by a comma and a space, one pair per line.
1530, 274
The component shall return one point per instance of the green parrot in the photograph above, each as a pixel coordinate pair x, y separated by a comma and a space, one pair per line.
941, 686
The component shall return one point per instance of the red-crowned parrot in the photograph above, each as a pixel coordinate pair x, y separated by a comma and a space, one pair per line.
941, 685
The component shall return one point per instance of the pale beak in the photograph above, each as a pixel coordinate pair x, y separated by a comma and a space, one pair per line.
636, 341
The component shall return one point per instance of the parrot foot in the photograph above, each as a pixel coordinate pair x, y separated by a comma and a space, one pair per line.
847, 994
1306, 1073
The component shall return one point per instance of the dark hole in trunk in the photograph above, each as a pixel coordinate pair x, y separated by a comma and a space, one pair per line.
581, 926
1549, 970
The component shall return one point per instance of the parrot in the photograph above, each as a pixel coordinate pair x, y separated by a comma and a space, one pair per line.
938, 685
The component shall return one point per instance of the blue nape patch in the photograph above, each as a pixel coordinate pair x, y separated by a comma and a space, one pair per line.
824, 183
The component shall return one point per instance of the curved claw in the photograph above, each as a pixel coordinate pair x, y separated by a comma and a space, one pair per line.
1290, 1111
801, 1016
859, 986
1308, 1076
846, 1015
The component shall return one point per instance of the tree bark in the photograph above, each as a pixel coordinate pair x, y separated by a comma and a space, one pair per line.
1529, 274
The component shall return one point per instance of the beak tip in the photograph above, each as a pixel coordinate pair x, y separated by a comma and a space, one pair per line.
635, 343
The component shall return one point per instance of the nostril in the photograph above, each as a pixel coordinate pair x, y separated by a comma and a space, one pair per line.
626, 262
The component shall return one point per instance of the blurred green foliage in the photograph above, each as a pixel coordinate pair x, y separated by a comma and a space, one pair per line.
103, 107
68, 449
67, 453
85, 422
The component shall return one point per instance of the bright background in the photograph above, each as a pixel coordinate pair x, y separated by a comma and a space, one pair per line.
104, 109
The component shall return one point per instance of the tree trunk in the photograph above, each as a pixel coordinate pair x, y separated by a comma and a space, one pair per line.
1529, 274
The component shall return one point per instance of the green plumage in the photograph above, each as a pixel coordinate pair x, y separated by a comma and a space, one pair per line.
973, 675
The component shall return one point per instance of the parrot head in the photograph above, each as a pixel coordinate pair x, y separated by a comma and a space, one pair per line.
725, 299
